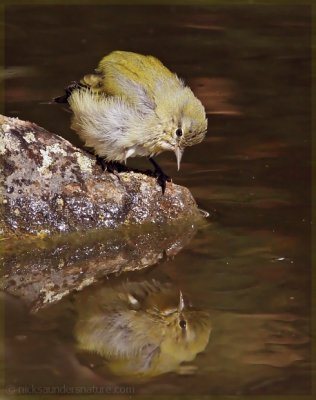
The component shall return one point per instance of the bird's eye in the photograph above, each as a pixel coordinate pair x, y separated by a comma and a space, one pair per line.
182, 324
179, 132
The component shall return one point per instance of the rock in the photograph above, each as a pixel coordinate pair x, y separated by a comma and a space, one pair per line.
42, 272
49, 186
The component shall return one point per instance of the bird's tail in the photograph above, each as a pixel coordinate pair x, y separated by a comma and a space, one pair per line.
68, 91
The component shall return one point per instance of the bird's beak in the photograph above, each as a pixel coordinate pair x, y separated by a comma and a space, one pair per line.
181, 302
178, 152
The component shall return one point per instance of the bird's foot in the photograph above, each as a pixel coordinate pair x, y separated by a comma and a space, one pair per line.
113, 167
101, 161
162, 178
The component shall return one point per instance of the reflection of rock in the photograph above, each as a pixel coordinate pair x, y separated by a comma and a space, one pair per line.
43, 271
48, 185
140, 328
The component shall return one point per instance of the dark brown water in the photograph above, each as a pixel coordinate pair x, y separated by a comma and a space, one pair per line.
251, 265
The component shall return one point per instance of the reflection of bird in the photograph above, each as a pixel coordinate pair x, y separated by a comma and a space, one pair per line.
134, 106
142, 329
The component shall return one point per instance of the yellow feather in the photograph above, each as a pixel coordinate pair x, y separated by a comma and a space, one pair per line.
134, 106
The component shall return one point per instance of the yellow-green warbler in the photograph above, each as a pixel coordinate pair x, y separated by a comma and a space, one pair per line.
140, 328
134, 106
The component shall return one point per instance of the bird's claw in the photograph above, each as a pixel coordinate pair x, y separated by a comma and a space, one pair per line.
111, 166
162, 178
115, 168
101, 161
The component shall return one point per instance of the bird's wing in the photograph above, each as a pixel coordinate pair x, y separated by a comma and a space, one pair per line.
132, 76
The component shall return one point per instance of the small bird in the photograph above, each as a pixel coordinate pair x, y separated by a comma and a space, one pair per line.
134, 106
141, 329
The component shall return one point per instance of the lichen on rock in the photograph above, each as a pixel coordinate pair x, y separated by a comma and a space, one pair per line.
48, 185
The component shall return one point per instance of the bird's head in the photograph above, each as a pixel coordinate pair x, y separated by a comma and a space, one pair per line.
186, 332
184, 122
